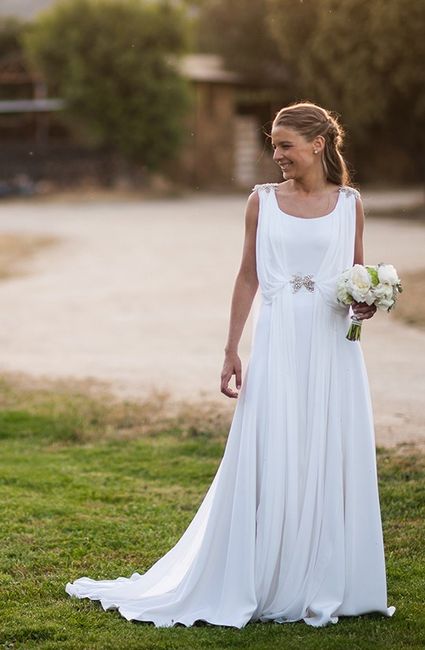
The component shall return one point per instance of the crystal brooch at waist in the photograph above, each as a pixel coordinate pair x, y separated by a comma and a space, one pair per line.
302, 280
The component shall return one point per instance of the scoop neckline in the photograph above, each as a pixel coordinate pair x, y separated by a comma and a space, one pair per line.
293, 216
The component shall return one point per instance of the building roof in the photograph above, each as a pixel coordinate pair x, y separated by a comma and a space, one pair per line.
31, 105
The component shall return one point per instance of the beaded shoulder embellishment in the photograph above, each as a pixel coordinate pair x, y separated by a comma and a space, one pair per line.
266, 186
350, 191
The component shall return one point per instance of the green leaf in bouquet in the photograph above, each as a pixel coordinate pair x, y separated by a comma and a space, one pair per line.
373, 274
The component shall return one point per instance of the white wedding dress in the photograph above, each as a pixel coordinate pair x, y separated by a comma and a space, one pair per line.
290, 528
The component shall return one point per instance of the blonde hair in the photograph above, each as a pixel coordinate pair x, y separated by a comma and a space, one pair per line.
310, 120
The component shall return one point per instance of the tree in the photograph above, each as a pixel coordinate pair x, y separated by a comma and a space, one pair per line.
364, 60
114, 64
239, 31
10, 34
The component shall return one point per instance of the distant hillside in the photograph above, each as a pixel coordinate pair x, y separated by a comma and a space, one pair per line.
25, 9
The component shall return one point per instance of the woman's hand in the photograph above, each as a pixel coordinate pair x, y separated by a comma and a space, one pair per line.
232, 366
362, 310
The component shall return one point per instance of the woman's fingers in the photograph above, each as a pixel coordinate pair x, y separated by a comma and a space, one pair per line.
225, 389
226, 377
229, 392
362, 310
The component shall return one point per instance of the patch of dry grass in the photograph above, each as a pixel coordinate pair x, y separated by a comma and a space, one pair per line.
411, 305
94, 413
16, 249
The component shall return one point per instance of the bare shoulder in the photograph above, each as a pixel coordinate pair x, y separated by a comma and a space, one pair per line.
359, 203
350, 193
360, 216
252, 209
358, 200
253, 204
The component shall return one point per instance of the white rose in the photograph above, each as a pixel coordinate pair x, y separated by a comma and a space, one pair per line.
387, 274
383, 291
369, 298
343, 295
359, 283
384, 303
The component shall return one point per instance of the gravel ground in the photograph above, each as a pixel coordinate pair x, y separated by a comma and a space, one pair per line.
137, 294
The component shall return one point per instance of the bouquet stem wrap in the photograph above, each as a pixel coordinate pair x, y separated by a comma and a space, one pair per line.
354, 330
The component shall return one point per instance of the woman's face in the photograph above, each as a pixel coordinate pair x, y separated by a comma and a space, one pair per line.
292, 152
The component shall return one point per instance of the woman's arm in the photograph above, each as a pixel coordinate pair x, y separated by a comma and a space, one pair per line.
360, 309
358, 245
244, 291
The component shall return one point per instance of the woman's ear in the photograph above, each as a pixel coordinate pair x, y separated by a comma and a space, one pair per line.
319, 143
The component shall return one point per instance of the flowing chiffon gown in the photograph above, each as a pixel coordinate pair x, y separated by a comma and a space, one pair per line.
290, 528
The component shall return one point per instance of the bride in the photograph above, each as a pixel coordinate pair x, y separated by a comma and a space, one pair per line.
290, 528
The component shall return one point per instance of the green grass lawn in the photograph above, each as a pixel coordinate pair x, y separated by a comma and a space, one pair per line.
76, 502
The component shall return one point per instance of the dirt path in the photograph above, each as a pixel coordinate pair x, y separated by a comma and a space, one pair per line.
138, 293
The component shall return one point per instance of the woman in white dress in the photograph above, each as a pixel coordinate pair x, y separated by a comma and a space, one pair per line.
290, 528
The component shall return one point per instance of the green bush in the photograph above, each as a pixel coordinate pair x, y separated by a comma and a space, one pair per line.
114, 64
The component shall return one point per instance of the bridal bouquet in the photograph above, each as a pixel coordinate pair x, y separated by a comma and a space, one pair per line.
375, 285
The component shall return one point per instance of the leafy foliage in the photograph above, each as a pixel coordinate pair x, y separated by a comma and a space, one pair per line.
231, 28
114, 63
10, 35
359, 55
